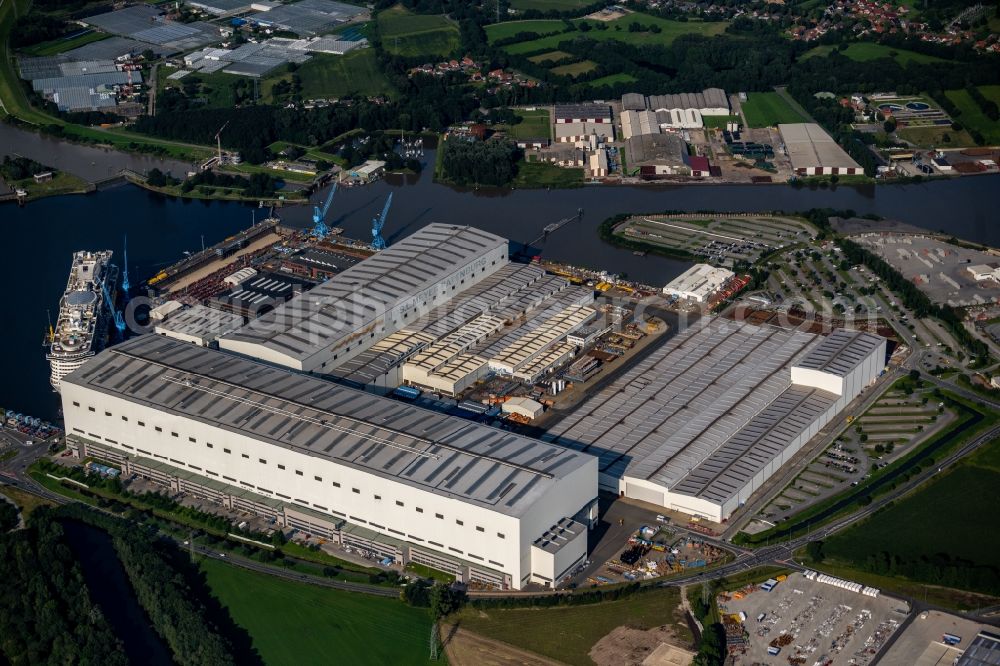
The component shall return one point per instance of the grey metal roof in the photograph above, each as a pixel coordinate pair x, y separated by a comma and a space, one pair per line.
808, 145
82, 99
984, 650
633, 102
764, 438
442, 454
559, 535
840, 352
85, 81
113, 47
309, 17
356, 297
571, 111
126, 21
679, 405
201, 321
707, 99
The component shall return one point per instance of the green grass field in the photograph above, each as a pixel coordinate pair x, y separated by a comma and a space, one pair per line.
575, 69
549, 5
865, 51
327, 76
934, 136
720, 121
767, 109
973, 117
533, 124
291, 623
409, 34
497, 31
618, 30
60, 45
567, 633
543, 174
611, 80
551, 56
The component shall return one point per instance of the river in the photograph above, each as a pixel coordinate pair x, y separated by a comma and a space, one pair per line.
88, 162
111, 589
42, 235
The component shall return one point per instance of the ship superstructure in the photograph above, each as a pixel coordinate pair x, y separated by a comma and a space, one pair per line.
81, 329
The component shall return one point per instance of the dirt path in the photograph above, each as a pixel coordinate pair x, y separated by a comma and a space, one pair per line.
465, 648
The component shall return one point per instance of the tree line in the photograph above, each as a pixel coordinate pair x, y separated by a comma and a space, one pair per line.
46, 613
171, 591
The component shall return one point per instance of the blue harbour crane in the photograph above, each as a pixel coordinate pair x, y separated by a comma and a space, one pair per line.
115, 313
125, 283
378, 242
319, 214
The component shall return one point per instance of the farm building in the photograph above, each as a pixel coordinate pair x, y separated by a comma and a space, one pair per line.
813, 152
356, 468
701, 423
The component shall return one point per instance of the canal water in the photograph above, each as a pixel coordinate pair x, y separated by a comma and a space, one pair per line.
110, 588
41, 236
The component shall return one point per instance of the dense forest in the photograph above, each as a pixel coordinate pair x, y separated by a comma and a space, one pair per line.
479, 163
46, 614
19, 168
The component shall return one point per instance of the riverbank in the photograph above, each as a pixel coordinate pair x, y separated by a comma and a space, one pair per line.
214, 193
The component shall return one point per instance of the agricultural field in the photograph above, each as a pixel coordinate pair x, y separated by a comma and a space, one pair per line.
62, 44
973, 117
408, 34
334, 76
291, 623
575, 69
611, 80
618, 30
567, 633
533, 124
865, 51
508, 29
551, 56
766, 109
549, 5
953, 514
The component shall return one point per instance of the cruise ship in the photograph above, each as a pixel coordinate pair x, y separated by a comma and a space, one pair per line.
81, 329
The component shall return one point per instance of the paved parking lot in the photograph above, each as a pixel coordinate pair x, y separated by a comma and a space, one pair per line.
920, 644
812, 622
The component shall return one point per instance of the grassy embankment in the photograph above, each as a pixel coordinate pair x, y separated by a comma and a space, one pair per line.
292, 623
867, 51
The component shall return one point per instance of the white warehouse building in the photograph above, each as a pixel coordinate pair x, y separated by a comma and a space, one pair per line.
489, 505
321, 329
700, 424
698, 283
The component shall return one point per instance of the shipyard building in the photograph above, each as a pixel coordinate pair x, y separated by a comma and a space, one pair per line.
321, 329
490, 506
701, 423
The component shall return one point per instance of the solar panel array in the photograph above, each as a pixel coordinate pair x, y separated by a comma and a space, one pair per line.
446, 455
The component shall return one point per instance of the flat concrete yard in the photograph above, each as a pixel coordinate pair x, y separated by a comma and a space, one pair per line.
722, 239
826, 624
939, 269
920, 644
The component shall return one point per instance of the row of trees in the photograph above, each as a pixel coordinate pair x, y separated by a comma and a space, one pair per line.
914, 299
46, 613
178, 610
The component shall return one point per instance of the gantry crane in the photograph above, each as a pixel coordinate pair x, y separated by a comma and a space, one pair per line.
377, 223
320, 229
